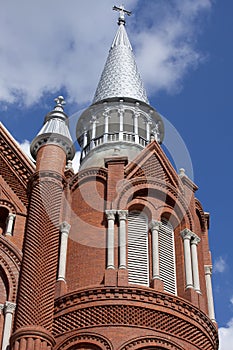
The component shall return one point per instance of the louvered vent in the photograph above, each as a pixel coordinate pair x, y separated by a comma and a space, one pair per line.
167, 257
138, 266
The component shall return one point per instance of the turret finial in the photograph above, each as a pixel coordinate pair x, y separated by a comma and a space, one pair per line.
60, 102
123, 12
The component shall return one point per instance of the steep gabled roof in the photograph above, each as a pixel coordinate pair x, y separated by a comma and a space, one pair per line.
15, 167
152, 162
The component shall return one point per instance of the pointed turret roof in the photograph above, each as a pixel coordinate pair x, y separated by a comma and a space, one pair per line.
120, 77
55, 131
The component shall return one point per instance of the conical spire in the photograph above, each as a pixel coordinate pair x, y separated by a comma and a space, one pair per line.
120, 77
55, 131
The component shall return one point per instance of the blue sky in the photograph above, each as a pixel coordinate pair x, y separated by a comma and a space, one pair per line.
184, 53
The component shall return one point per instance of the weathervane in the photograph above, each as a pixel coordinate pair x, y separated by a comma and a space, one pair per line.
123, 12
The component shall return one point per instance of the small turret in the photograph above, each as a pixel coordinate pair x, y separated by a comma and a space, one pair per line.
55, 131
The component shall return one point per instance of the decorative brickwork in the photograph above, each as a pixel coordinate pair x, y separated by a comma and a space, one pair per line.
134, 307
160, 344
40, 258
86, 338
10, 261
136, 184
15, 168
87, 175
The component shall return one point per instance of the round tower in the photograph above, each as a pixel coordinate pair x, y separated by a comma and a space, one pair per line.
138, 266
120, 116
35, 306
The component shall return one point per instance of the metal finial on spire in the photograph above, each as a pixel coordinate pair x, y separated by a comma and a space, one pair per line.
123, 12
60, 102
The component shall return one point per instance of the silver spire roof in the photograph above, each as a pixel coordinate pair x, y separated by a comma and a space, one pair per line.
120, 77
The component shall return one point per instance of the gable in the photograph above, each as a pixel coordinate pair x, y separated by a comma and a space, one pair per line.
153, 163
15, 167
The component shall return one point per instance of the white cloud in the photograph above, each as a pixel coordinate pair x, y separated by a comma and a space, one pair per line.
226, 336
166, 49
49, 45
219, 265
25, 146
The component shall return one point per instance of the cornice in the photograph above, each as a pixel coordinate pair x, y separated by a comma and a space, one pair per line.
43, 176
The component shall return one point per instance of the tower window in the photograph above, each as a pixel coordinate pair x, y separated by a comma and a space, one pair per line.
138, 262
167, 257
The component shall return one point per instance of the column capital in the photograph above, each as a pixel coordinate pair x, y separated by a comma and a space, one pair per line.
122, 214
195, 239
208, 270
65, 227
186, 234
155, 225
1, 308
9, 307
110, 214
11, 216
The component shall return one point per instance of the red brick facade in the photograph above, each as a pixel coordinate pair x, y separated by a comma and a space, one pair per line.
94, 307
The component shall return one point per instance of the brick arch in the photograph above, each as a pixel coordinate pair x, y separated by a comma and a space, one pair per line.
85, 341
10, 261
200, 214
151, 342
4, 286
134, 186
8, 205
142, 205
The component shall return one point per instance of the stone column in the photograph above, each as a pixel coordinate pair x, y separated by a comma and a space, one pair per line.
9, 309
136, 115
148, 123
64, 229
10, 223
121, 116
106, 116
122, 214
110, 238
196, 282
93, 132
154, 227
187, 235
209, 291
85, 139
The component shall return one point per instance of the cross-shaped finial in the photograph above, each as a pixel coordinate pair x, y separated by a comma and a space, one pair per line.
60, 101
123, 12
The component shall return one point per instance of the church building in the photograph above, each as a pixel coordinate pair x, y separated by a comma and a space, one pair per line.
116, 256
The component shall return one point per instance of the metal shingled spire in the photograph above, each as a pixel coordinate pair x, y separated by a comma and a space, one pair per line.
120, 77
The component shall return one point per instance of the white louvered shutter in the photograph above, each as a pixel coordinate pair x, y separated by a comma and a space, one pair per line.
167, 257
138, 262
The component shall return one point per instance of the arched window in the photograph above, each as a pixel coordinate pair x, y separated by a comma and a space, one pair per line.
167, 257
138, 262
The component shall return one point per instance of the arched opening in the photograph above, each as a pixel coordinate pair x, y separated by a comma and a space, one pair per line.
85, 346
4, 212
